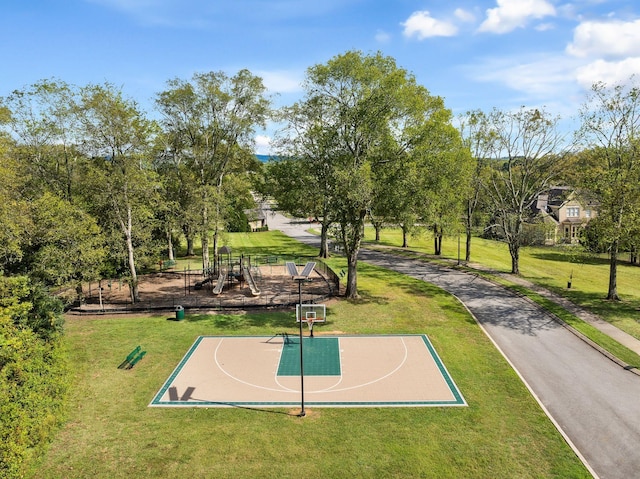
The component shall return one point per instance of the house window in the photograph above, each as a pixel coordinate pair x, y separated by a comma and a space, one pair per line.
587, 213
573, 212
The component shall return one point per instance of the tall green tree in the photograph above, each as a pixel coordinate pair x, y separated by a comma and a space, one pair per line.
478, 139
301, 179
611, 166
426, 185
121, 184
210, 122
373, 113
532, 153
66, 246
44, 121
14, 210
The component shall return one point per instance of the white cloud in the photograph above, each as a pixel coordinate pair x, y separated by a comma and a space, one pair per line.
542, 76
464, 15
281, 81
606, 39
512, 14
382, 37
422, 25
263, 144
611, 73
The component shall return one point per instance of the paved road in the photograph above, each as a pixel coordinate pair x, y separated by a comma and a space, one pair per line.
594, 402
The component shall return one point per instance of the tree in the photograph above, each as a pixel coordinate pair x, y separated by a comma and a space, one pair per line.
120, 180
301, 178
44, 121
66, 245
210, 122
372, 114
532, 153
425, 186
611, 166
478, 140
447, 180
14, 210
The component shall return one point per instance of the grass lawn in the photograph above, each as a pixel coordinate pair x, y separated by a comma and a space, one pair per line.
111, 433
551, 267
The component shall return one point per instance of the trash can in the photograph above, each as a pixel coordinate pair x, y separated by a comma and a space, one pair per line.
179, 313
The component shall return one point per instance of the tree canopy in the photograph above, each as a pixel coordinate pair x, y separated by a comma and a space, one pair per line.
361, 117
610, 167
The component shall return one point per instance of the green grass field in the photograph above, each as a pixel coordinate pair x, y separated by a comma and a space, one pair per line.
111, 433
550, 267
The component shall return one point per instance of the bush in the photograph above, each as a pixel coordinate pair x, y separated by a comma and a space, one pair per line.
34, 374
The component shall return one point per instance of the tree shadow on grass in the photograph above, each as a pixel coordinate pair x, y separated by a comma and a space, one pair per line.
603, 307
564, 257
243, 320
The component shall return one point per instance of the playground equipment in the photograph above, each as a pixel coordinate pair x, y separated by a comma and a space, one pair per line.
230, 272
255, 291
222, 277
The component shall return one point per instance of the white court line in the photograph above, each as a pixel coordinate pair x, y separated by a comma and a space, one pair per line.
330, 389
240, 380
404, 360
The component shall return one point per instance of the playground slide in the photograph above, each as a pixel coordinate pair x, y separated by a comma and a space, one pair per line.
220, 284
255, 291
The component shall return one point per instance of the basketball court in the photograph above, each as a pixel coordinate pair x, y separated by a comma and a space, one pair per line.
339, 371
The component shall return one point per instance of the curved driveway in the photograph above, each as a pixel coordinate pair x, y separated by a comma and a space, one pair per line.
594, 402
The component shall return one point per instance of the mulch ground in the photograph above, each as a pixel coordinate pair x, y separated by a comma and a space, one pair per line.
166, 290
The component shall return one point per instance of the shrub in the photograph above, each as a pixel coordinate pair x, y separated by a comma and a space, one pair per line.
34, 374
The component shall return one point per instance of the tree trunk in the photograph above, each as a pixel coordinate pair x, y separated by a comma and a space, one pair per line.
352, 275
437, 240
352, 234
170, 245
612, 294
216, 241
514, 251
135, 295
405, 242
205, 250
204, 236
324, 240
190, 250
467, 255
378, 228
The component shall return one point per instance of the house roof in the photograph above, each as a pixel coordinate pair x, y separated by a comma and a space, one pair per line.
552, 200
255, 214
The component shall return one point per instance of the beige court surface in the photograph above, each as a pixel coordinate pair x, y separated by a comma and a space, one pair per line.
339, 371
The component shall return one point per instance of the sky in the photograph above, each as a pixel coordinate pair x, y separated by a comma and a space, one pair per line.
475, 54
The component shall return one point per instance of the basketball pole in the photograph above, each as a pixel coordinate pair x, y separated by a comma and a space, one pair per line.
300, 279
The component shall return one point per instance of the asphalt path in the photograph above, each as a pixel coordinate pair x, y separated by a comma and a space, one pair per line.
594, 402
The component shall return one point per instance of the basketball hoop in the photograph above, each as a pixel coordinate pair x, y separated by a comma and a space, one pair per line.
311, 314
310, 317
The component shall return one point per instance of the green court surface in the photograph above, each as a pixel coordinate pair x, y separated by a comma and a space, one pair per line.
320, 357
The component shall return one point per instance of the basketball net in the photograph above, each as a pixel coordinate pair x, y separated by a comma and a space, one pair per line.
310, 322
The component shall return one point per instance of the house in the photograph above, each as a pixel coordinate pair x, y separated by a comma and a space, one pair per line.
257, 219
567, 211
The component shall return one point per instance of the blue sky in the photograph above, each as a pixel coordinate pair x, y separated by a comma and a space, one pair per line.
475, 54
